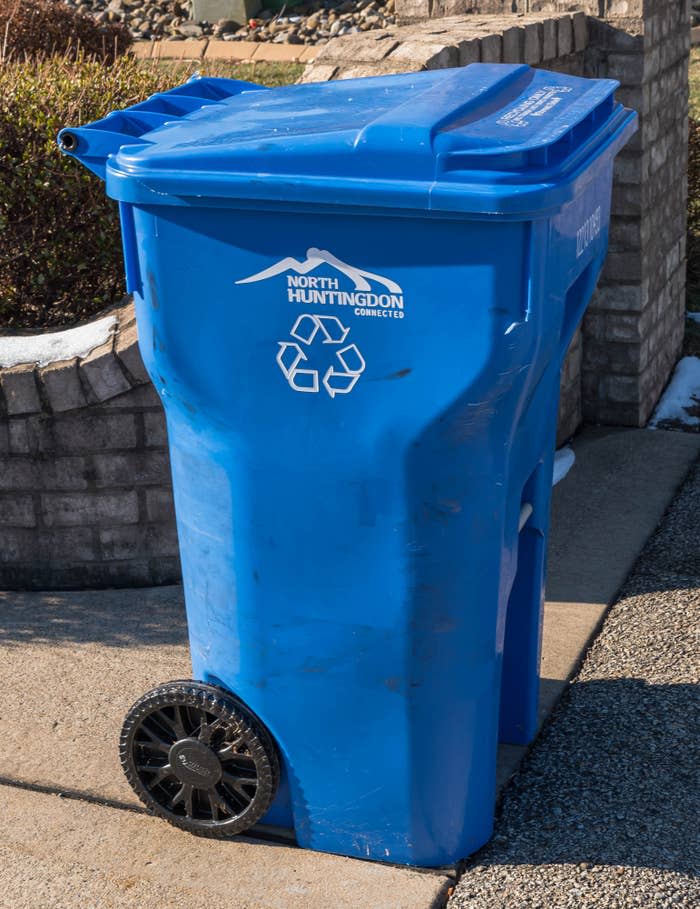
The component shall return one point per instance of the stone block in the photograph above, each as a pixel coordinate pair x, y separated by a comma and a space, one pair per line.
308, 53
127, 349
491, 49
513, 42
469, 51
622, 35
236, 10
17, 473
90, 431
130, 542
351, 50
424, 56
63, 474
233, 51
132, 469
277, 53
638, 97
628, 200
20, 389
532, 45
628, 69
190, 49
68, 545
63, 386
319, 72
17, 510
141, 397
579, 22
565, 36
624, 266
17, 544
159, 504
103, 372
18, 441
549, 39
625, 234
631, 168
155, 430
79, 509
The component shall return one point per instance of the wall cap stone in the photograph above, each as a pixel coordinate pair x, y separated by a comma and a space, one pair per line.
107, 369
452, 41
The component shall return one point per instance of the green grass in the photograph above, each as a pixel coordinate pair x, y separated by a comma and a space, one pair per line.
270, 74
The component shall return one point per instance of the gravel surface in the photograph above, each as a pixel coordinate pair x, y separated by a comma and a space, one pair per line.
314, 22
604, 811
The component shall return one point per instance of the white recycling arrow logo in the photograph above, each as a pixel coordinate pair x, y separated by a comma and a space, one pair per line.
341, 376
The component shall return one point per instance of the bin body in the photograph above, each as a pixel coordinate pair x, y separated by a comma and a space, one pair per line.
360, 400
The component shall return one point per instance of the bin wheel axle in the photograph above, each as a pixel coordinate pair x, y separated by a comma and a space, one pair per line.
197, 757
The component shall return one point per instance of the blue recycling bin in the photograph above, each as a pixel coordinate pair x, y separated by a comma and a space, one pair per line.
354, 299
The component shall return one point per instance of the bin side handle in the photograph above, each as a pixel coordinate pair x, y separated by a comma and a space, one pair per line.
95, 142
576, 300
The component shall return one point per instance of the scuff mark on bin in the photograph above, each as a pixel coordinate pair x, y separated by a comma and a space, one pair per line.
399, 374
155, 302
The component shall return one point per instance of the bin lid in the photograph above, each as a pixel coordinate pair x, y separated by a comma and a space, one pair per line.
485, 139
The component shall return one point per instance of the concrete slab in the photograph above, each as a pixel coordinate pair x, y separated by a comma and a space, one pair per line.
605, 510
75, 662
69, 854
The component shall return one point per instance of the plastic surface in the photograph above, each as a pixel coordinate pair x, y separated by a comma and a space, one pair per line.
482, 139
360, 401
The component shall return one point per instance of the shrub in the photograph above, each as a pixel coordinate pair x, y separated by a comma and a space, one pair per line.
43, 28
60, 247
60, 258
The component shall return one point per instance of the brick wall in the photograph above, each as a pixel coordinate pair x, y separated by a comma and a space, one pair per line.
633, 331
85, 497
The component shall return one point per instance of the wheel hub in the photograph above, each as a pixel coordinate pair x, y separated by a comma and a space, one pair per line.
195, 763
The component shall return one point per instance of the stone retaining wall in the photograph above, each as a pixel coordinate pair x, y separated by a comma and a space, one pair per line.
85, 497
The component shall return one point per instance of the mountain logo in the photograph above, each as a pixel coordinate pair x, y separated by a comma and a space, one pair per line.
314, 259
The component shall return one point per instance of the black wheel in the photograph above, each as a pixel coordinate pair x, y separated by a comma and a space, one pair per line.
197, 757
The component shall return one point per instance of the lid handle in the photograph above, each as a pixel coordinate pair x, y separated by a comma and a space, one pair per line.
415, 123
93, 144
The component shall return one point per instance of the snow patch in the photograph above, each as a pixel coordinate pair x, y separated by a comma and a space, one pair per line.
693, 316
58, 345
681, 396
563, 462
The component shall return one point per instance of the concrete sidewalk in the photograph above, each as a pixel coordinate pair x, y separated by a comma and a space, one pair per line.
72, 663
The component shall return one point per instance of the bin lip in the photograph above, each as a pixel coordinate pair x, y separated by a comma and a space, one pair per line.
521, 201
483, 139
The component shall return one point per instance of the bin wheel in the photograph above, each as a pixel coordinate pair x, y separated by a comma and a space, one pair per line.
197, 757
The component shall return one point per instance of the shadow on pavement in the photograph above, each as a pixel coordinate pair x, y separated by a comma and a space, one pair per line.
115, 618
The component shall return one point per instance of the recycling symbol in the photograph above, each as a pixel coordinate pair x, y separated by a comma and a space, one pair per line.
343, 373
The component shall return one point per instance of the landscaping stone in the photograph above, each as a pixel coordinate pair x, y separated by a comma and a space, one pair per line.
314, 22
